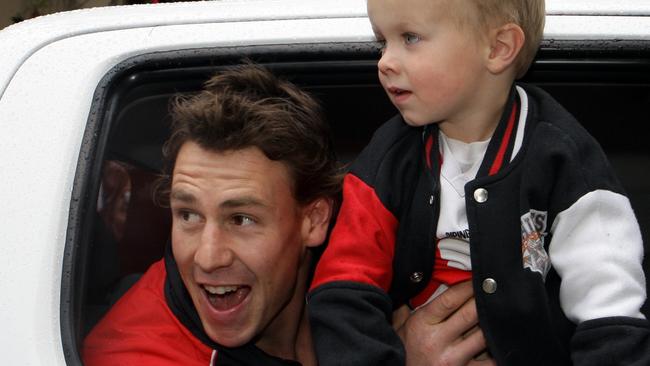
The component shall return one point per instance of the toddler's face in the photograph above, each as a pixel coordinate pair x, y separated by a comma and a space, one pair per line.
431, 69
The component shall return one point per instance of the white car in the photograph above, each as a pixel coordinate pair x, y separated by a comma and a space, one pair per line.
83, 115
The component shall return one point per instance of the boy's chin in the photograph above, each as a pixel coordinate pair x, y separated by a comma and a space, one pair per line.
415, 122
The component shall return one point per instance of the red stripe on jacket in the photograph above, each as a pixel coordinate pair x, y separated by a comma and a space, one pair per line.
442, 274
498, 160
362, 244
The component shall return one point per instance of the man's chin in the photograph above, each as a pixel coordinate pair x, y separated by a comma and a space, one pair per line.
229, 326
230, 338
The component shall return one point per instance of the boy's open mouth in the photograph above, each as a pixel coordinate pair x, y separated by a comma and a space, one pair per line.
226, 297
397, 92
394, 90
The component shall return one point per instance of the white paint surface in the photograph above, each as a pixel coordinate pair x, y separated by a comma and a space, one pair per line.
49, 68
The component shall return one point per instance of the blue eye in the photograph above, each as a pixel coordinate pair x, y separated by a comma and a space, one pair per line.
410, 38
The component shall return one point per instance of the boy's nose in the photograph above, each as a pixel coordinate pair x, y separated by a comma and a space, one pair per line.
214, 251
387, 63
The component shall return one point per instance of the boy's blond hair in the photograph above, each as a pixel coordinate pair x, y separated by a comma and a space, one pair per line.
527, 14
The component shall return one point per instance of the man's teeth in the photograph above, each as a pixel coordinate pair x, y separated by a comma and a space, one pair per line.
220, 290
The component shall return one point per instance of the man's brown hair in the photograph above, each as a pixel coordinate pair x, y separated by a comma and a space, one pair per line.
247, 106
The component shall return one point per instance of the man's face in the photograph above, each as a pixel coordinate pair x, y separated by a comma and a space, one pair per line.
239, 240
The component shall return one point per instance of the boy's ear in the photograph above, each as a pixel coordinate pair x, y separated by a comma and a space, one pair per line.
505, 44
315, 222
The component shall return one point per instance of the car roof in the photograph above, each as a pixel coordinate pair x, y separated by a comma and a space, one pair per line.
26, 38
620, 20
598, 7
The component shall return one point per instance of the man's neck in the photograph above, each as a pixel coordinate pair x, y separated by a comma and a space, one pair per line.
304, 346
288, 336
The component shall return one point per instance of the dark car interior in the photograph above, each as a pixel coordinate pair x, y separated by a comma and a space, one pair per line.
117, 230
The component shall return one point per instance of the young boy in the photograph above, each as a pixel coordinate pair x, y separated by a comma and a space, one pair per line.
478, 164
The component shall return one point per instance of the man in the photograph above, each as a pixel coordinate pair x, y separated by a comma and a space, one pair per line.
252, 183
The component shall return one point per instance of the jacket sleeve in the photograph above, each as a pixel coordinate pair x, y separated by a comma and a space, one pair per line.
605, 301
597, 250
611, 342
349, 309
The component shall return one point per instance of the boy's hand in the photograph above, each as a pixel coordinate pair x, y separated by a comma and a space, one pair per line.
445, 331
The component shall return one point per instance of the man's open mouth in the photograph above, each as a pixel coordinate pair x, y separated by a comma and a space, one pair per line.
223, 298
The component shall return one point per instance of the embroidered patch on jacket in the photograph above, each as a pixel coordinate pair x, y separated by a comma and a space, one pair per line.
533, 231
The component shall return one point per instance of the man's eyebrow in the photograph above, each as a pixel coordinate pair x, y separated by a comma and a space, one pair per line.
242, 202
182, 196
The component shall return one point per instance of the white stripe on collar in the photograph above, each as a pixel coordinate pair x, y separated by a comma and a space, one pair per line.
521, 126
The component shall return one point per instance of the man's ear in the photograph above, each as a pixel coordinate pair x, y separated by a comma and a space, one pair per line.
505, 44
315, 222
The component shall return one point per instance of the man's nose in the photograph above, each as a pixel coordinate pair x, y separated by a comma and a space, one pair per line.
215, 250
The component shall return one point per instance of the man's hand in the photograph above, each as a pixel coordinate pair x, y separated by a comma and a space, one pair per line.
445, 331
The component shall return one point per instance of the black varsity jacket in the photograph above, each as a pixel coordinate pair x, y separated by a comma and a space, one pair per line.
544, 194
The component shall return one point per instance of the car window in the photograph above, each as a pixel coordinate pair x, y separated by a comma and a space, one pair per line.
119, 229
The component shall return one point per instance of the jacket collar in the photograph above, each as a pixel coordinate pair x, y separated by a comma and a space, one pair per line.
504, 144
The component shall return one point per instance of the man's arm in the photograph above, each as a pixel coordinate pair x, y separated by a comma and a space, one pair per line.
445, 332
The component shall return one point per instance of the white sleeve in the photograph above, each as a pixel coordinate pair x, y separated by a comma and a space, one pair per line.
597, 250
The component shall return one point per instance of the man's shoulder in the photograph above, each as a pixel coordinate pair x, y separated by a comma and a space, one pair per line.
147, 291
140, 328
